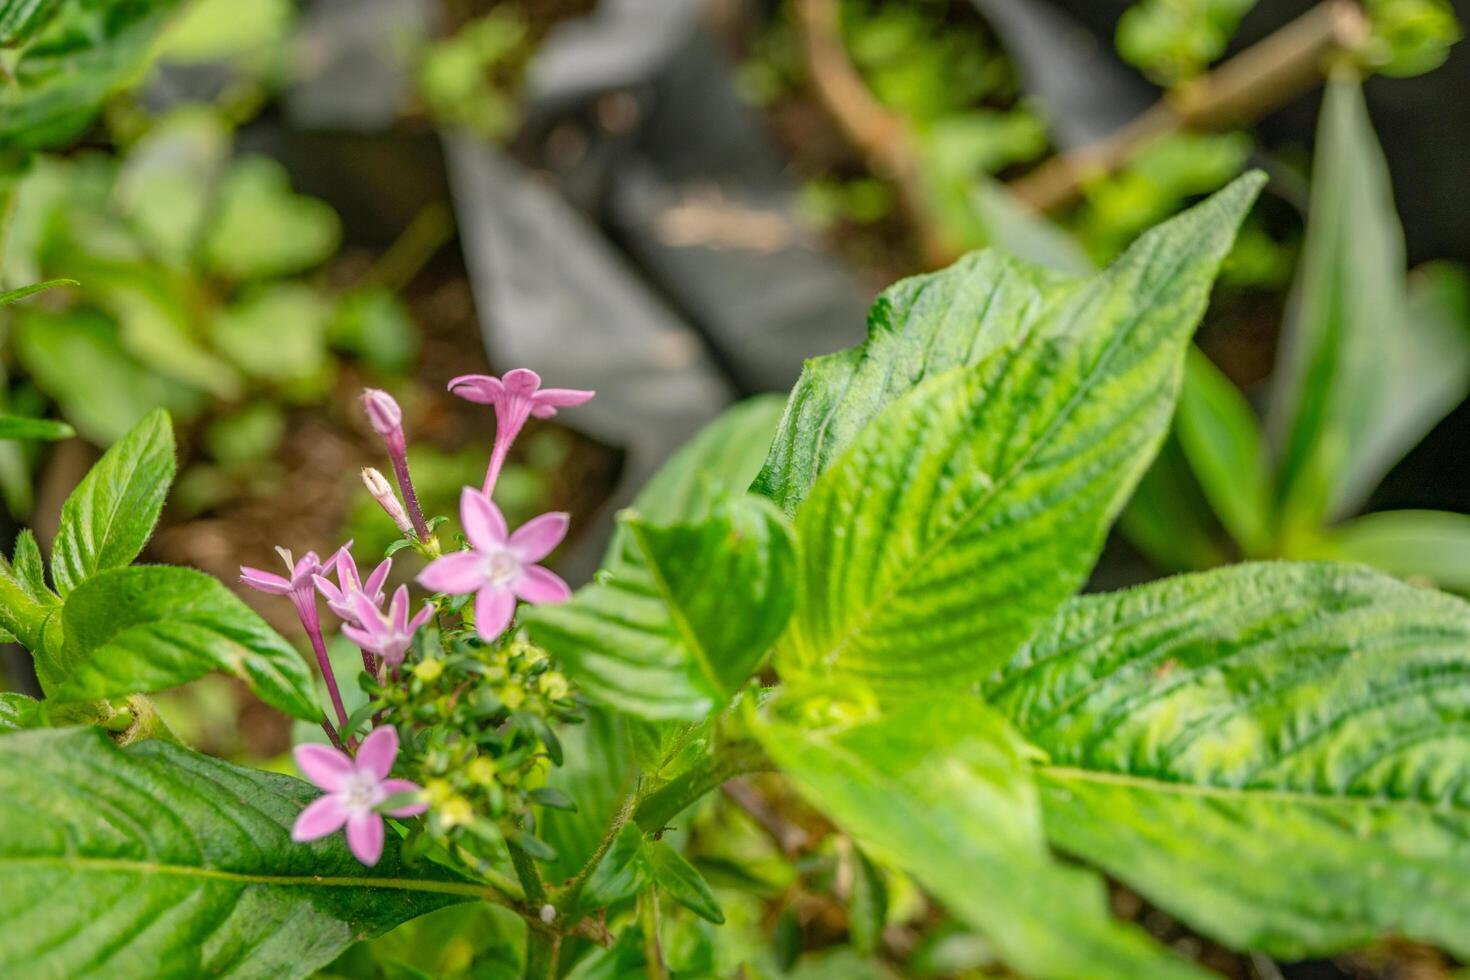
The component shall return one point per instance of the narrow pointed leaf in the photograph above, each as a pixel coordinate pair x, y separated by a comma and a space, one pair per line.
674, 631
15, 295
919, 328
1168, 518
967, 513
1423, 546
154, 627
155, 861
111, 513
1273, 753
942, 788
681, 882
21, 427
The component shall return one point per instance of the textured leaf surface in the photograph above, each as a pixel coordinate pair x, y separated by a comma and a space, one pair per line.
918, 328
674, 633
1275, 753
153, 627
110, 515
1347, 305
154, 861
942, 788
964, 515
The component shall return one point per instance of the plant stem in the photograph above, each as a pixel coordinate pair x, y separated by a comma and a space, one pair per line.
567, 901
332, 735
654, 811
306, 609
410, 497
528, 874
653, 952
543, 950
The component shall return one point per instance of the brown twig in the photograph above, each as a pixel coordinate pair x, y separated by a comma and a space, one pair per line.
1249, 85
880, 136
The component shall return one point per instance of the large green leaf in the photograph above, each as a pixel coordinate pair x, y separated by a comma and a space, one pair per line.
942, 789
109, 516
1221, 438
965, 514
675, 631
1347, 311
919, 327
1274, 753
87, 50
154, 861
153, 627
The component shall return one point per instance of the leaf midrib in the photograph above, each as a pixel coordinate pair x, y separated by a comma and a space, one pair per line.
464, 889
676, 611
1244, 793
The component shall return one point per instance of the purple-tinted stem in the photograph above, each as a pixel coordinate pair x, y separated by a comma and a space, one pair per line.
410, 498
331, 734
497, 460
369, 663
313, 624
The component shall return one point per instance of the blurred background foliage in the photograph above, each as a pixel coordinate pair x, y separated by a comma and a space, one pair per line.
269, 204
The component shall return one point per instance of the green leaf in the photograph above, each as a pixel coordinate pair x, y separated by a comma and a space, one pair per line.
19, 19
1168, 518
262, 229
15, 295
17, 711
1420, 545
867, 904
1013, 227
29, 429
154, 627
1223, 442
965, 514
652, 637
84, 53
1347, 307
942, 789
677, 877
110, 515
918, 328
599, 774
1273, 753
29, 567
1428, 377
621, 874
277, 333
155, 861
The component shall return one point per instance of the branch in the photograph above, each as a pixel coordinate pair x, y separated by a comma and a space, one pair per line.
1254, 82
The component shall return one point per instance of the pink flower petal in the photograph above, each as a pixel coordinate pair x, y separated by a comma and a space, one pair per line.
368, 641
481, 388
378, 750
456, 574
536, 538
329, 591
539, 585
494, 607
483, 523
398, 610
264, 581
323, 765
554, 398
395, 786
320, 818
521, 382
365, 837
374, 584
420, 618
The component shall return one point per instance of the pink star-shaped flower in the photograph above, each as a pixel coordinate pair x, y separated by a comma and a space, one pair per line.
297, 583
355, 791
389, 636
516, 397
499, 567
350, 583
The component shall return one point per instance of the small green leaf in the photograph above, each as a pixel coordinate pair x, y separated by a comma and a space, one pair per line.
20, 427
29, 568
1348, 305
867, 903
1420, 545
678, 878
110, 515
154, 860
1223, 442
262, 229
14, 295
621, 874
941, 787
656, 637
19, 19
154, 627
963, 516
1206, 732
17, 711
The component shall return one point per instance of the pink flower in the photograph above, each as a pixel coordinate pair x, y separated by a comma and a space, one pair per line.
387, 636
349, 583
516, 397
355, 790
499, 567
297, 583
384, 415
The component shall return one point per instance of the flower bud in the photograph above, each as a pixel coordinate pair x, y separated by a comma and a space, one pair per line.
382, 492
383, 412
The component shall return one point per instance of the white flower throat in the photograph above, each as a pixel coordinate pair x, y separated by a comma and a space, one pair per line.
502, 568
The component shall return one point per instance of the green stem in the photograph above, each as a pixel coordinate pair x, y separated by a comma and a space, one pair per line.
528, 874
567, 902
653, 953
655, 810
543, 950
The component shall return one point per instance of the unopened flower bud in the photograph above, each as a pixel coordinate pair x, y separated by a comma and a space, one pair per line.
382, 492
383, 412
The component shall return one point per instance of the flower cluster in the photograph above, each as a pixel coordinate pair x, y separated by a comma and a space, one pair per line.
473, 703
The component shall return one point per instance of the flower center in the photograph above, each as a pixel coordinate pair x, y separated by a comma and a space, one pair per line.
361, 792
502, 568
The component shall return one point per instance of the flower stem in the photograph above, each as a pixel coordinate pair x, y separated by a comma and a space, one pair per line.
543, 950
410, 496
313, 626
